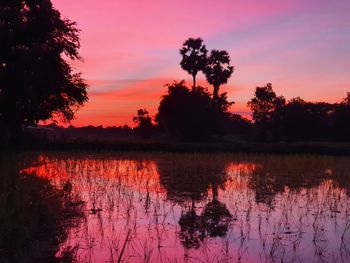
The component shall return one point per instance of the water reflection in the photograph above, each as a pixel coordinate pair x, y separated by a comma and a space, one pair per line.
34, 216
207, 208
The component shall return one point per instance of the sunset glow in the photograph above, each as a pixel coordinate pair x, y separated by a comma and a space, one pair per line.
130, 50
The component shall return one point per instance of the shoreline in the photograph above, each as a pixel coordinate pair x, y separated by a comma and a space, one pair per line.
320, 148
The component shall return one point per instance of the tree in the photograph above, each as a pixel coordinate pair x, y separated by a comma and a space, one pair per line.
264, 103
218, 70
184, 113
340, 117
191, 114
144, 122
194, 57
36, 81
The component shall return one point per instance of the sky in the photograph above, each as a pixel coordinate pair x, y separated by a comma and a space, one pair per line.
131, 50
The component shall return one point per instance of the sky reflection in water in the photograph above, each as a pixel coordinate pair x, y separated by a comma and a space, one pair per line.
204, 208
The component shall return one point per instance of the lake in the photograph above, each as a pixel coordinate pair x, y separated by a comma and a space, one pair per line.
164, 207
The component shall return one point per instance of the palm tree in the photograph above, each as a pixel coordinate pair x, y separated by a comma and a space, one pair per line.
194, 57
218, 70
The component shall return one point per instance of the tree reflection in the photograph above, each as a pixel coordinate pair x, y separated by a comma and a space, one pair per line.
216, 218
273, 175
34, 216
191, 233
189, 178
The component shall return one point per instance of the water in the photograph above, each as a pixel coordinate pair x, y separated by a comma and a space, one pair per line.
141, 207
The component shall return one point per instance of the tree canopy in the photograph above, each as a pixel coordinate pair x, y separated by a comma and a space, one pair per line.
264, 102
218, 70
194, 57
36, 81
144, 123
191, 114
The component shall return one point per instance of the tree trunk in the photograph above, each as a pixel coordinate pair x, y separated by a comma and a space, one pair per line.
194, 81
216, 93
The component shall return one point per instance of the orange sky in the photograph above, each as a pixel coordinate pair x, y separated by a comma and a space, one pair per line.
130, 50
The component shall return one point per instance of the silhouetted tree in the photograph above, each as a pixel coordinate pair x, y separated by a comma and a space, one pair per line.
36, 82
218, 70
264, 103
237, 124
190, 114
194, 57
301, 120
340, 120
183, 112
144, 122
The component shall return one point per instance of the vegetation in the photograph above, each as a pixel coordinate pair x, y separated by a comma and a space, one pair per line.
36, 81
144, 123
218, 70
191, 114
194, 57
298, 120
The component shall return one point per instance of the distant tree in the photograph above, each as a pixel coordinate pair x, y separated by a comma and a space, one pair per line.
302, 120
264, 103
218, 70
346, 100
340, 119
191, 114
194, 57
184, 113
36, 81
144, 122
237, 124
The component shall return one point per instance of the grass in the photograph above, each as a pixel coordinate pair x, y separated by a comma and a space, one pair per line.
149, 145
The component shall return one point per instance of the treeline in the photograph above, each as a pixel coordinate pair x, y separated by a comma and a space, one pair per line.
194, 113
276, 119
189, 114
55, 133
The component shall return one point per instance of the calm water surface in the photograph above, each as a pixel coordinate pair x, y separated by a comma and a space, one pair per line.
134, 207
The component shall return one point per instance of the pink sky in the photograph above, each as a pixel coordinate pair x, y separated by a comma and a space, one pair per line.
130, 49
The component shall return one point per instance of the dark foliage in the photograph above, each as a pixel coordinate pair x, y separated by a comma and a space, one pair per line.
218, 70
340, 117
36, 82
298, 120
194, 57
191, 114
144, 127
264, 103
55, 133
